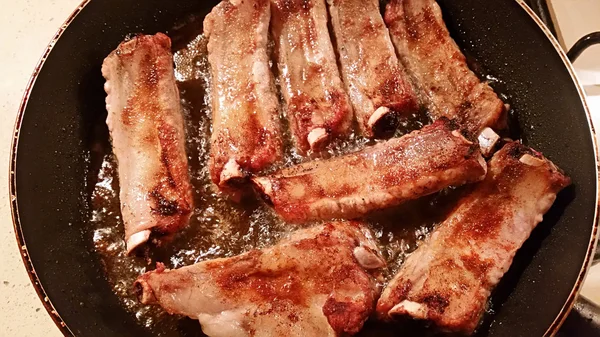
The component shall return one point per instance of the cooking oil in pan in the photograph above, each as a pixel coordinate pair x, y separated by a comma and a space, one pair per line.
219, 227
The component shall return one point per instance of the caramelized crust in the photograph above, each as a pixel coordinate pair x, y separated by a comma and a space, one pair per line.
246, 136
372, 73
438, 67
316, 282
146, 127
449, 278
384, 175
317, 106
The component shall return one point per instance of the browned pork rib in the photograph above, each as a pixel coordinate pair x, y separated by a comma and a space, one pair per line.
387, 174
246, 133
317, 282
146, 127
370, 68
317, 106
438, 67
449, 278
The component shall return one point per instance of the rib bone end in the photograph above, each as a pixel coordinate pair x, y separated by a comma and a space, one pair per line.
378, 115
264, 187
530, 160
137, 239
367, 258
231, 172
487, 141
410, 308
144, 291
317, 138
382, 123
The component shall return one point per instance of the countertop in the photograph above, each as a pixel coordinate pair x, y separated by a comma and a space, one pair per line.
27, 26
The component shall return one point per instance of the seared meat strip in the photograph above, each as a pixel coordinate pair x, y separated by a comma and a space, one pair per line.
146, 126
449, 278
246, 133
387, 174
317, 106
438, 67
316, 282
372, 73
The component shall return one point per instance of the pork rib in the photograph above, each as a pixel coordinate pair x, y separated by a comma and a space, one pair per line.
387, 174
146, 126
246, 135
317, 282
372, 73
317, 105
449, 278
438, 67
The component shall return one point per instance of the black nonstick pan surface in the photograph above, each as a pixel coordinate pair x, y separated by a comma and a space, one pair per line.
64, 104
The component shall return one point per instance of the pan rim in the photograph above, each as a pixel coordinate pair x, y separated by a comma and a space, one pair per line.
12, 183
570, 302
66, 331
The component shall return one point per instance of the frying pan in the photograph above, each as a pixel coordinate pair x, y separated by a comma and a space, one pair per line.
64, 105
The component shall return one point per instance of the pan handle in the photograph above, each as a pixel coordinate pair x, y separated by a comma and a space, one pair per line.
583, 44
540, 7
583, 321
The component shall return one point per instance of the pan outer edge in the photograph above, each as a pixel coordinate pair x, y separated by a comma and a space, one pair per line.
568, 306
60, 323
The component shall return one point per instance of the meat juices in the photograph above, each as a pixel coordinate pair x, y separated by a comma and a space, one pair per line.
246, 136
316, 282
317, 105
372, 73
449, 278
146, 126
439, 69
387, 174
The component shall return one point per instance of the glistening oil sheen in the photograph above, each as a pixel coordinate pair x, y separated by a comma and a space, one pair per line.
219, 227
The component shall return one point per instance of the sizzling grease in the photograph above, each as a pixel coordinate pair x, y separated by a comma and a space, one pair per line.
218, 227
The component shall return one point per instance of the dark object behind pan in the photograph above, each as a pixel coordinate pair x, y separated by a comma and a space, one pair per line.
67, 103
